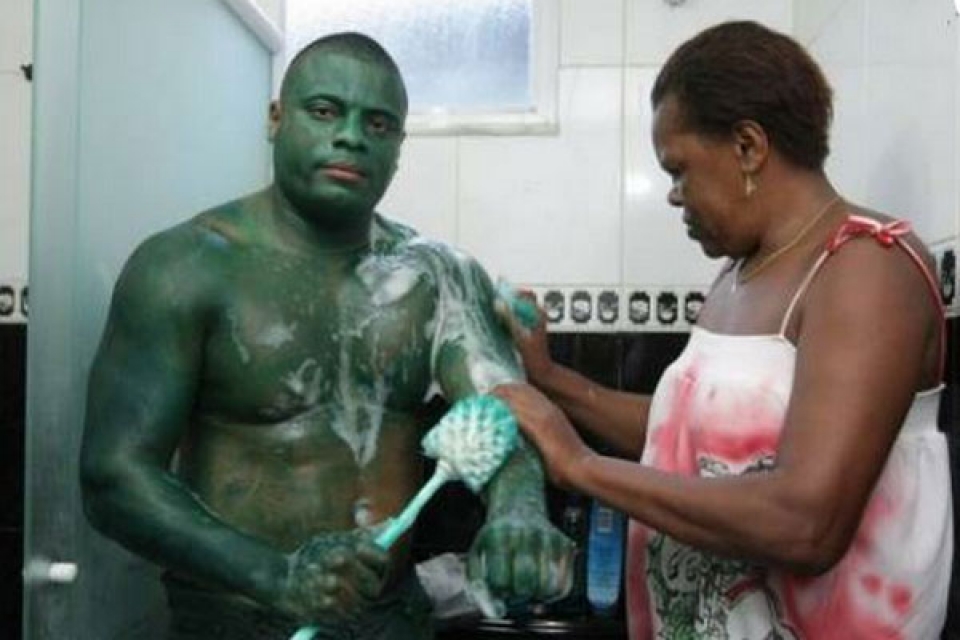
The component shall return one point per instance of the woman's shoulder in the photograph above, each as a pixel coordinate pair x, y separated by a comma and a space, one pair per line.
883, 229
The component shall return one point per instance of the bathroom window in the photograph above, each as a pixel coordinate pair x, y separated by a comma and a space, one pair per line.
483, 66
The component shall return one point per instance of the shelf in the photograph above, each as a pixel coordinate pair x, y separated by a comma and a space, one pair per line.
610, 628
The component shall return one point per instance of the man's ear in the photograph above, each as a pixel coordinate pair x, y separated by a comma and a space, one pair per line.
273, 119
752, 145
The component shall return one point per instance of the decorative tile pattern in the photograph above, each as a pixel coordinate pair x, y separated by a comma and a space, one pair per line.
945, 254
14, 301
615, 309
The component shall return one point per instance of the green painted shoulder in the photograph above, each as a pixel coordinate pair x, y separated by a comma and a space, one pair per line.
387, 234
187, 263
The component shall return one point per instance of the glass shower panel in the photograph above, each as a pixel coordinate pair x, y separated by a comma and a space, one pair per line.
145, 113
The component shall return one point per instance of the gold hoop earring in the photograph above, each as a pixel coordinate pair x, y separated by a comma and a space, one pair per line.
749, 184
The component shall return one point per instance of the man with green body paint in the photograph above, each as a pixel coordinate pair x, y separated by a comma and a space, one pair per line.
257, 401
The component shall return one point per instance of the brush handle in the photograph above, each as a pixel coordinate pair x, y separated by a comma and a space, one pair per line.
398, 525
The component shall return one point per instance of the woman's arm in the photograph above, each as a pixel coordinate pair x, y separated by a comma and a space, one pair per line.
852, 390
616, 417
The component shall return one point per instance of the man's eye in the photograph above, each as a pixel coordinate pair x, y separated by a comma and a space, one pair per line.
323, 112
380, 124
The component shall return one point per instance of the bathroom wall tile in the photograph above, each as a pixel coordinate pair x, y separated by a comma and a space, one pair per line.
912, 54
811, 17
11, 590
842, 39
13, 349
591, 32
907, 32
840, 49
646, 356
848, 162
543, 209
656, 27
14, 301
16, 34
911, 163
14, 172
11, 472
13, 352
581, 309
656, 248
599, 357
424, 191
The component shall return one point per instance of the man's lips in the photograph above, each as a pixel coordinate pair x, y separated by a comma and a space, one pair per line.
342, 171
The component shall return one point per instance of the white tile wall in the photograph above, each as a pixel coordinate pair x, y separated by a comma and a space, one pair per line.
894, 65
911, 58
811, 17
591, 32
842, 40
547, 209
655, 28
14, 300
16, 37
910, 169
16, 25
910, 32
14, 174
656, 249
840, 48
424, 190
586, 207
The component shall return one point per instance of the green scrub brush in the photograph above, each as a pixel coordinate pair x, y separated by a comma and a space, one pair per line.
470, 443
523, 309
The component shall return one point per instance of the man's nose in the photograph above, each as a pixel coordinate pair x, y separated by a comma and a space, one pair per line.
351, 133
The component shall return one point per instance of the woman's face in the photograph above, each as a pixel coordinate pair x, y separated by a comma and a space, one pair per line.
708, 182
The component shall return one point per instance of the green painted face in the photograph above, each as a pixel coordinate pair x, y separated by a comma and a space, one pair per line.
338, 132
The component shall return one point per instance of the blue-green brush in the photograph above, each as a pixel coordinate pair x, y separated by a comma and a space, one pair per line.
523, 309
470, 443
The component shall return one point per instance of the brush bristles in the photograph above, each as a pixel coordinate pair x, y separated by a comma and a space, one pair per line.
475, 437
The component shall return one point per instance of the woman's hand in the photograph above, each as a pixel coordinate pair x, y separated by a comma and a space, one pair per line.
530, 339
547, 427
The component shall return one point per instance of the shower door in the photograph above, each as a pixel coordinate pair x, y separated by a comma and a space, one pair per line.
145, 112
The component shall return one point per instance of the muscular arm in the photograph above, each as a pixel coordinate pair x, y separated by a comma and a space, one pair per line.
141, 394
523, 554
475, 355
852, 390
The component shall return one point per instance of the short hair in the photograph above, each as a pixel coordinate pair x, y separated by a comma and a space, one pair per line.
351, 43
742, 70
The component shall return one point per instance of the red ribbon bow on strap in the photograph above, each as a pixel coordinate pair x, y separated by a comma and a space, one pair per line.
855, 226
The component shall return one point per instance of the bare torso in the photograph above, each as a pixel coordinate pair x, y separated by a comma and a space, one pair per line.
309, 407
